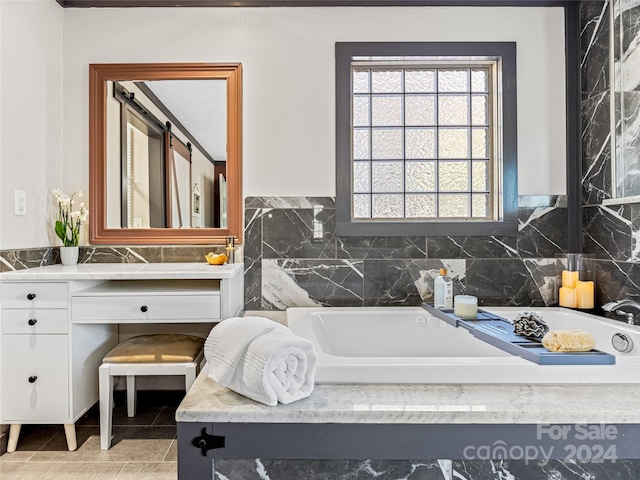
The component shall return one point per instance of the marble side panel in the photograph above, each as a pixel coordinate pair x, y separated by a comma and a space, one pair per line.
628, 144
381, 247
594, 45
311, 283
596, 148
502, 282
261, 469
407, 282
289, 202
253, 259
607, 231
299, 233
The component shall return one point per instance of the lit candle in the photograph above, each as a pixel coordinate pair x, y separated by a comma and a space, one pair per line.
585, 294
569, 278
568, 297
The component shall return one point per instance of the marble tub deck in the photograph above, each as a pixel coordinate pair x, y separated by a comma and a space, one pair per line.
429, 404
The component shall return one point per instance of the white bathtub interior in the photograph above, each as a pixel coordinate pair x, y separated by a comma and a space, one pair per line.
408, 345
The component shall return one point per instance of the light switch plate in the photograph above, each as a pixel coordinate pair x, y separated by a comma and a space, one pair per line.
20, 202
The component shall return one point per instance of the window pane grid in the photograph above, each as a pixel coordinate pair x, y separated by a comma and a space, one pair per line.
427, 122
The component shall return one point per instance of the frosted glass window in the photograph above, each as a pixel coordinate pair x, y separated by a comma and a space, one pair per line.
386, 143
454, 177
420, 142
479, 79
420, 176
361, 141
362, 206
479, 143
453, 80
453, 110
453, 143
479, 114
386, 81
480, 176
420, 110
386, 110
420, 81
480, 206
361, 111
423, 206
361, 81
386, 176
453, 205
361, 177
387, 206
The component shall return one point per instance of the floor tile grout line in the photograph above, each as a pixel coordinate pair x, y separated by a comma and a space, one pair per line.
121, 470
168, 449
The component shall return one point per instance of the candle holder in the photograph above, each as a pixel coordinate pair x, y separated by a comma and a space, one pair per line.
578, 281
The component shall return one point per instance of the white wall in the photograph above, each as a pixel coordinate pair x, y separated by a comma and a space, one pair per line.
31, 118
289, 77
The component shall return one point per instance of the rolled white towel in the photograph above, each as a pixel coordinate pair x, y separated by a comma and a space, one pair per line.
261, 359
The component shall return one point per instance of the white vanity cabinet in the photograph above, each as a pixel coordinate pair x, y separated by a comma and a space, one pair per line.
57, 323
34, 352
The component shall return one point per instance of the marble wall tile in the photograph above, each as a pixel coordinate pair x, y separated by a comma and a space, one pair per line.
608, 231
596, 148
407, 282
28, 258
502, 282
542, 232
299, 233
472, 247
381, 247
253, 258
308, 283
289, 202
106, 254
594, 45
617, 280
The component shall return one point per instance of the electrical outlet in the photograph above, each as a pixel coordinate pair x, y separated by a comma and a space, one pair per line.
20, 202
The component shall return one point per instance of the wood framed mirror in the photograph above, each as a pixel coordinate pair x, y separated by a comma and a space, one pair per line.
145, 120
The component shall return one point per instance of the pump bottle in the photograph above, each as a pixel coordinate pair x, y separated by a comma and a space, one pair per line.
443, 291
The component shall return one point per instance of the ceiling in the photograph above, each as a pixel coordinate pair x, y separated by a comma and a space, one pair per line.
305, 3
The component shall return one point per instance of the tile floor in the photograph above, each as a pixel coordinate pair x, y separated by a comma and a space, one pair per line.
143, 447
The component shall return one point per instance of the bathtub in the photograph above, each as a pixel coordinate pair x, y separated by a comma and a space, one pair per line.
408, 345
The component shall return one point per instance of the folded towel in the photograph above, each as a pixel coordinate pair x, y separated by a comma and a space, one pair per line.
568, 341
261, 359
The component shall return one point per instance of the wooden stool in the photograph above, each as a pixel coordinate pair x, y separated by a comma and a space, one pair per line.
158, 354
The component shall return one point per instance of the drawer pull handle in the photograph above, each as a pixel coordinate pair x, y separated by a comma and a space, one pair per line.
31, 296
32, 321
144, 308
33, 378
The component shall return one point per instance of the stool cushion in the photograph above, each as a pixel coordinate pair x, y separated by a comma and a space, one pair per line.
156, 348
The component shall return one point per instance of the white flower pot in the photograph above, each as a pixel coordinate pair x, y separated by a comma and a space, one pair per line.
69, 255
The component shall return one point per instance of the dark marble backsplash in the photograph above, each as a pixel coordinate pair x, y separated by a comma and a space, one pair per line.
293, 257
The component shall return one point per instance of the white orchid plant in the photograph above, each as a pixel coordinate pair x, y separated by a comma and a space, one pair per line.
69, 221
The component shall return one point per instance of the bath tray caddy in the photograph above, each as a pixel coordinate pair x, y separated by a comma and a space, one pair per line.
498, 331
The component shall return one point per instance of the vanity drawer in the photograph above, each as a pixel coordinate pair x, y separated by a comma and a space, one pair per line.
33, 295
39, 321
142, 308
46, 397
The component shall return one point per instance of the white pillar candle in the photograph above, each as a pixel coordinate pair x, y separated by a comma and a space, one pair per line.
465, 306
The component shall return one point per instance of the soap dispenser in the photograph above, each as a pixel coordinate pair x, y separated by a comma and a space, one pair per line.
443, 291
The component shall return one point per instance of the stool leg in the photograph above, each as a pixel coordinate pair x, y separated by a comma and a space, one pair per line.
131, 395
106, 407
70, 433
14, 433
189, 376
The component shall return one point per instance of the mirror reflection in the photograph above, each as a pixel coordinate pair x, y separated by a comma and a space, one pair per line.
166, 154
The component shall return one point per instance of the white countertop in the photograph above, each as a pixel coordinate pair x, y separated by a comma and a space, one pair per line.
457, 404
126, 271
